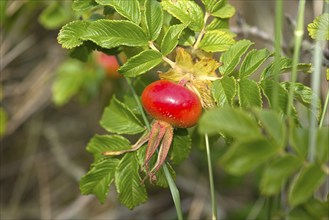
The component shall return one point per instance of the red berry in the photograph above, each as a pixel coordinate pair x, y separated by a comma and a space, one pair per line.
172, 103
110, 64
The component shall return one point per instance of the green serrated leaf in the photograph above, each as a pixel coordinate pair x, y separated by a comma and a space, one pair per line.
128, 182
304, 95
224, 91
277, 173
188, 12
299, 140
113, 33
153, 18
273, 123
305, 183
97, 181
70, 34
249, 93
252, 61
130, 11
231, 58
319, 28
118, 118
170, 40
226, 11
187, 38
83, 5
213, 5
101, 143
3, 121
181, 146
229, 121
141, 63
285, 65
216, 41
244, 156
268, 88
218, 23
69, 79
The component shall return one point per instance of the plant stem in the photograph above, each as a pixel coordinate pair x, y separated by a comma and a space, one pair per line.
174, 192
324, 110
278, 31
146, 122
172, 186
202, 32
211, 180
315, 85
299, 32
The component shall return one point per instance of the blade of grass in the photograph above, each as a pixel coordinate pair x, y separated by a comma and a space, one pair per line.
315, 85
211, 180
299, 32
278, 37
324, 110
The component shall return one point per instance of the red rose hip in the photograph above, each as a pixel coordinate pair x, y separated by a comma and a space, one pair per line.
172, 103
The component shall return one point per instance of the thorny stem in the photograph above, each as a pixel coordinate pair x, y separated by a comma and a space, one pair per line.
202, 32
211, 180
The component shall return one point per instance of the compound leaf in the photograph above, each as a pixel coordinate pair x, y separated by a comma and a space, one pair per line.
97, 181
232, 56
141, 63
216, 41
244, 156
188, 12
128, 182
249, 93
305, 183
224, 90
170, 40
129, 10
118, 118
153, 18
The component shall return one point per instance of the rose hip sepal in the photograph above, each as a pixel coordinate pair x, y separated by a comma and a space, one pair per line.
172, 106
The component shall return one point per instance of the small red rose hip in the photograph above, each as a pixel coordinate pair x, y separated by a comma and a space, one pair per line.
172, 103
110, 64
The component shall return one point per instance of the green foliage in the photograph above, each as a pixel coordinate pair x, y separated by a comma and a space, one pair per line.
141, 63
245, 155
319, 28
305, 183
130, 11
55, 15
153, 19
188, 12
128, 182
252, 62
216, 41
249, 93
257, 138
277, 173
224, 90
226, 120
97, 181
170, 40
72, 77
118, 118
231, 58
